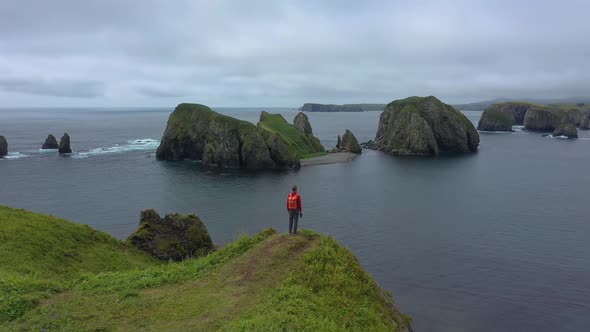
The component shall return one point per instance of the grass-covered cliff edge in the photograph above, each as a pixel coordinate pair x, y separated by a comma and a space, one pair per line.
58, 275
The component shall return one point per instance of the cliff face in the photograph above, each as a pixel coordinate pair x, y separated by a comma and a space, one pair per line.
543, 119
424, 126
301, 122
566, 129
496, 119
196, 132
3, 146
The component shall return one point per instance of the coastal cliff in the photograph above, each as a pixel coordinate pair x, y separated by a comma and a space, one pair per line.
424, 126
267, 281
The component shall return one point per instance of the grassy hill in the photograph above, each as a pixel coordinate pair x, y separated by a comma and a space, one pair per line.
301, 145
265, 282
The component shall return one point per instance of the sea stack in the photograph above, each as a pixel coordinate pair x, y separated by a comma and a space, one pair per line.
424, 126
495, 118
196, 132
174, 237
543, 119
566, 129
64, 144
301, 122
3, 146
50, 143
348, 143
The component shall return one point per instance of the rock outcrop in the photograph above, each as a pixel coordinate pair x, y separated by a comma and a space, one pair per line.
496, 119
196, 132
566, 129
50, 143
3, 146
424, 126
301, 122
348, 143
64, 144
174, 237
294, 141
543, 119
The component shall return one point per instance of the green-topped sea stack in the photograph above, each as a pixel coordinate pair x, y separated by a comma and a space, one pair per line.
196, 132
294, 141
424, 126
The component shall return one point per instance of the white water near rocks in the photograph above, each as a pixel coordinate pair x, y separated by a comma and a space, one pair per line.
495, 241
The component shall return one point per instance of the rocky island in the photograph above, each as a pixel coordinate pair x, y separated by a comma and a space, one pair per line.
3, 146
196, 132
64, 144
61, 276
50, 143
424, 126
348, 143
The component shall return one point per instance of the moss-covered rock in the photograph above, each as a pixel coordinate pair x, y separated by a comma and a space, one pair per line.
424, 126
495, 118
301, 122
295, 143
196, 132
348, 143
50, 143
3, 146
64, 144
566, 129
174, 237
543, 119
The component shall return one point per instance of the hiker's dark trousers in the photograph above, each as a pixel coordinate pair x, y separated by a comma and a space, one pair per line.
293, 220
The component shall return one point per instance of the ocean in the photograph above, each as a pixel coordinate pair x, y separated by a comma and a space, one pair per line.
493, 241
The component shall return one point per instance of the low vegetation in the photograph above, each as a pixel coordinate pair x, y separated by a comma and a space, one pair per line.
268, 281
301, 145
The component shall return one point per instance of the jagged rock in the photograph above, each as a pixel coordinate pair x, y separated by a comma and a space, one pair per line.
424, 126
301, 122
174, 237
295, 142
196, 132
348, 143
50, 143
566, 129
3, 146
64, 144
543, 119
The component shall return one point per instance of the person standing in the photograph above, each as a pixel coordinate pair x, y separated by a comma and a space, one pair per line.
294, 209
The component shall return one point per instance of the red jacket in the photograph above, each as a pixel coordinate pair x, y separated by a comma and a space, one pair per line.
295, 196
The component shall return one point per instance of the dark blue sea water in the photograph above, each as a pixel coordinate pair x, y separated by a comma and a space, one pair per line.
495, 241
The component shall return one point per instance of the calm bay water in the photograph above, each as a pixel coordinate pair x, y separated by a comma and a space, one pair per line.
495, 241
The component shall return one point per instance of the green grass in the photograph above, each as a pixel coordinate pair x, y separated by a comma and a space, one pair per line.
264, 282
498, 116
302, 145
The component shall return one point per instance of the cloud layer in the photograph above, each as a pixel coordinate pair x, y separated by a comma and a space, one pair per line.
285, 53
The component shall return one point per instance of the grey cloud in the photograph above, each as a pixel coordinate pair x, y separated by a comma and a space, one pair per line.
282, 53
75, 89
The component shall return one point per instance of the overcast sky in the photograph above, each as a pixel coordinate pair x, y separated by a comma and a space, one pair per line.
285, 53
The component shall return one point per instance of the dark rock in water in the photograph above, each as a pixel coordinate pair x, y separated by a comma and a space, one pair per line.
424, 126
3, 146
64, 144
566, 129
196, 132
543, 119
348, 143
301, 122
495, 118
174, 237
50, 143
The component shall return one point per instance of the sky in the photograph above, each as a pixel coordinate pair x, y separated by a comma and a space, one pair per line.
143, 53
